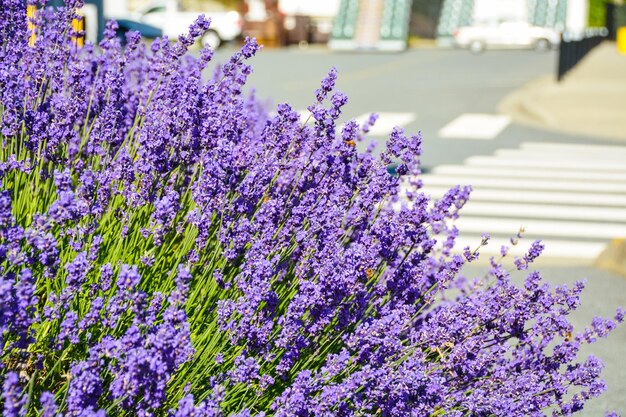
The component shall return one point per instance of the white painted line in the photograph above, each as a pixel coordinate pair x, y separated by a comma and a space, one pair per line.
582, 156
475, 126
386, 122
576, 153
523, 184
516, 172
306, 116
538, 211
572, 147
542, 211
540, 197
535, 227
554, 248
545, 164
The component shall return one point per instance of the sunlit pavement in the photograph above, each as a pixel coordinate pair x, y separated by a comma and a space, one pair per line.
589, 100
432, 86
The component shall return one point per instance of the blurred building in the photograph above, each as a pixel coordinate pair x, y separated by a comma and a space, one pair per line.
362, 24
308, 21
558, 14
272, 22
381, 25
425, 18
263, 20
284, 22
188, 5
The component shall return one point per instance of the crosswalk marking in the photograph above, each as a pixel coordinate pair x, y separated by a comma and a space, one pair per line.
545, 197
305, 116
555, 228
475, 126
526, 184
571, 196
554, 248
461, 171
614, 158
545, 211
545, 164
386, 122
573, 147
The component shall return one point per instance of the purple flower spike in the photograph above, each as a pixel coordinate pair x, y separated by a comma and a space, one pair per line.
128, 278
171, 247
14, 401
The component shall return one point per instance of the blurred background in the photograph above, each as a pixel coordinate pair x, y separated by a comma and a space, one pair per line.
369, 24
525, 100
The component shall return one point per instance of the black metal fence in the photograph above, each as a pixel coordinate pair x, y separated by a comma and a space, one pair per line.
615, 17
574, 48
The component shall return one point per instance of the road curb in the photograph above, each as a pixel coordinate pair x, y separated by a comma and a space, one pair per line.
521, 104
588, 101
613, 257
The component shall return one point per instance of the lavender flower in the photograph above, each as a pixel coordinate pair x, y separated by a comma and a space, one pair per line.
12, 396
168, 246
48, 404
85, 388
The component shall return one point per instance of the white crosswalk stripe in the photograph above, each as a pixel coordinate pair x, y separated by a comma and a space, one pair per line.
475, 126
522, 172
616, 159
574, 147
571, 196
386, 122
538, 197
557, 163
527, 184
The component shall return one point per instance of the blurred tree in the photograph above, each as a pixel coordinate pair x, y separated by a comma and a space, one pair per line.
597, 11
200, 5
193, 5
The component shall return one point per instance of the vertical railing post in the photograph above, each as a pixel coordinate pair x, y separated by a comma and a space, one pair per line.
609, 20
31, 12
78, 25
571, 51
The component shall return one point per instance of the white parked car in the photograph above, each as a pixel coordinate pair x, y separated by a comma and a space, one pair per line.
167, 16
506, 34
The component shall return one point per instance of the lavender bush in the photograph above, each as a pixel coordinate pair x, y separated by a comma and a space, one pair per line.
170, 248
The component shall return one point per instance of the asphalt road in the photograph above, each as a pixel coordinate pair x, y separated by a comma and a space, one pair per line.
435, 85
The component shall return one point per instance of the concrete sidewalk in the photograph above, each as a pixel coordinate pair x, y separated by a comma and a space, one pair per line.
590, 100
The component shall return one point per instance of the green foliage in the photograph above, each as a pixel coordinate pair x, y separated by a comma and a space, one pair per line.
597, 13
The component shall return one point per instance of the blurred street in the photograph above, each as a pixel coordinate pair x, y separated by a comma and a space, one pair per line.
420, 90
